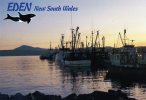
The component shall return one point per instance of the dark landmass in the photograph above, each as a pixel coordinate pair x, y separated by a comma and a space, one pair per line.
141, 49
23, 50
96, 95
26, 47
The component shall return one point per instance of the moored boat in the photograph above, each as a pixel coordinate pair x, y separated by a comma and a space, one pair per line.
126, 60
76, 56
126, 56
76, 59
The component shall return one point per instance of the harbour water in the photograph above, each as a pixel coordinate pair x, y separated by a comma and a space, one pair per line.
27, 74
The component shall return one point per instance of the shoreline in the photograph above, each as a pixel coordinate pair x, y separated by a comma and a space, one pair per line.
96, 95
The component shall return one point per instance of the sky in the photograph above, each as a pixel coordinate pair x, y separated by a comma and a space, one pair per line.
108, 16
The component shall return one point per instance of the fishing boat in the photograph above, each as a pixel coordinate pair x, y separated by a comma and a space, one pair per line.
142, 55
73, 58
76, 56
100, 58
76, 59
126, 60
99, 55
126, 56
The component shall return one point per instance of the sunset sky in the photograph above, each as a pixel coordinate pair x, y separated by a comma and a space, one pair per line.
108, 16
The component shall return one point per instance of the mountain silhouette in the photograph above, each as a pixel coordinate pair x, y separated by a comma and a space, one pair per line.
26, 47
23, 50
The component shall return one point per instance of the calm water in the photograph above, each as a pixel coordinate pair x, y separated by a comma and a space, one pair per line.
28, 73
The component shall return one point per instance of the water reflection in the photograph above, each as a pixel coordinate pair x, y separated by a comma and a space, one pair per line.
84, 79
134, 86
28, 74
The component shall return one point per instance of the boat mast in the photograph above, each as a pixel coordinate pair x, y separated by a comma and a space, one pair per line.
92, 40
72, 31
121, 39
50, 46
124, 37
103, 42
97, 37
86, 41
75, 37
78, 40
62, 41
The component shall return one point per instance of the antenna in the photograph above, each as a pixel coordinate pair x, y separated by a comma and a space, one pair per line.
92, 24
72, 32
71, 20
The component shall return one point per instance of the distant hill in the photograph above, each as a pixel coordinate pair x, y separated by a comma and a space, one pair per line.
26, 47
23, 50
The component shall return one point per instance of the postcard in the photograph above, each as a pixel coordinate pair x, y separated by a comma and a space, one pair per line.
72, 49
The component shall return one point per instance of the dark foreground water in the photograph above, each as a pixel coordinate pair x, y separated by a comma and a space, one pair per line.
26, 74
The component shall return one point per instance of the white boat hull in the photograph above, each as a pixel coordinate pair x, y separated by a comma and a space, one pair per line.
77, 63
59, 56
